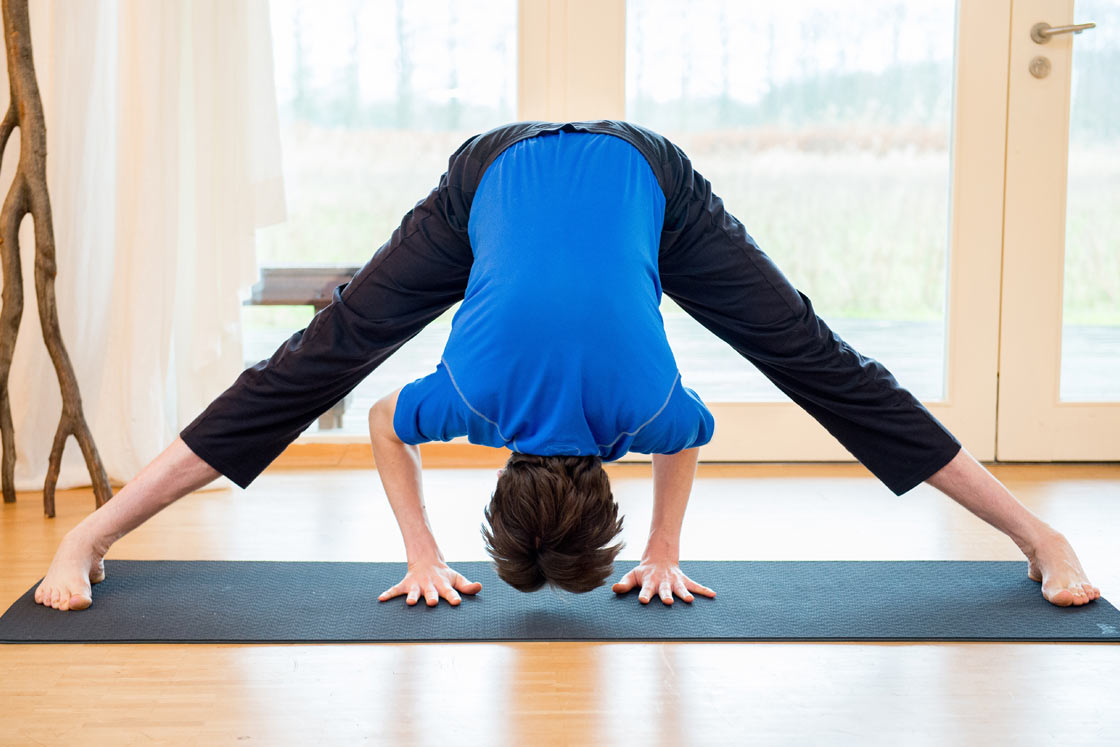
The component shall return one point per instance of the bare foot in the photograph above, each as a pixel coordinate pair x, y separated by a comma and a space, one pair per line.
77, 564
1064, 582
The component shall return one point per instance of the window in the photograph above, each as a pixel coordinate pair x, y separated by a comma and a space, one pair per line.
825, 128
373, 98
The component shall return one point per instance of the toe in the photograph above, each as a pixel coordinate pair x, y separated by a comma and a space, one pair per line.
80, 601
1061, 598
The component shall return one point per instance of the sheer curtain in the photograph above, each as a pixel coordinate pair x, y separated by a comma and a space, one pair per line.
163, 157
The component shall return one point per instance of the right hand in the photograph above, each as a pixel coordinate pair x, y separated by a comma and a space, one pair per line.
433, 579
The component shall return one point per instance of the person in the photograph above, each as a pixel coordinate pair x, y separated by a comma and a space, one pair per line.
560, 238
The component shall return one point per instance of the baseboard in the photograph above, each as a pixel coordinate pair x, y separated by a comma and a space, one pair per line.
357, 454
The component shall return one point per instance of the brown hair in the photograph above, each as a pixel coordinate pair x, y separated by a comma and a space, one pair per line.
550, 519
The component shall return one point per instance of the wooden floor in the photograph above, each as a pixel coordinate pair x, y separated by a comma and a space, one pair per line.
574, 693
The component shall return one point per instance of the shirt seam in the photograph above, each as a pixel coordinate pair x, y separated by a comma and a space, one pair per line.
471, 407
653, 418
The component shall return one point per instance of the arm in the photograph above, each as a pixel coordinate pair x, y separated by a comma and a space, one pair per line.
398, 466
659, 569
672, 482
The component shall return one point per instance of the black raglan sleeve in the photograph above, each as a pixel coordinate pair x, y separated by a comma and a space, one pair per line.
410, 280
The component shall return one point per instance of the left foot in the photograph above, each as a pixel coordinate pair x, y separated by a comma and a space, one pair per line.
1064, 582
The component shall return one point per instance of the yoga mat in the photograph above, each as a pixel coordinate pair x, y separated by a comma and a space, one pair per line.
277, 601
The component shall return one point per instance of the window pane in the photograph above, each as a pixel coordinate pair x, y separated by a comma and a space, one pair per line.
825, 128
374, 97
1091, 298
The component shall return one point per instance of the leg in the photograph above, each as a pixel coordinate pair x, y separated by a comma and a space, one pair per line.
716, 272
416, 275
713, 268
1051, 559
419, 273
78, 562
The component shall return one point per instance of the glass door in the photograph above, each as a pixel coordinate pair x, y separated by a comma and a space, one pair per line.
1059, 389
861, 145
373, 98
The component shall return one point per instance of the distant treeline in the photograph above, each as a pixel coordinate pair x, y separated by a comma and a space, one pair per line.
908, 97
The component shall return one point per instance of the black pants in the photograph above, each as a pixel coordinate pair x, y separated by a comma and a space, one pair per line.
708, 264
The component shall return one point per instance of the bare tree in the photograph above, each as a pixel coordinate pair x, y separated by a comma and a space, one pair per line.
300, 105
454, 106
404, 71
352, 71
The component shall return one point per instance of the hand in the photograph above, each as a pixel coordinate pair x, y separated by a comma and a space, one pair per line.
664, 577
433, 579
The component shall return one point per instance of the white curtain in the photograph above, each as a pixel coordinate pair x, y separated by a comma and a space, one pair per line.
163, 157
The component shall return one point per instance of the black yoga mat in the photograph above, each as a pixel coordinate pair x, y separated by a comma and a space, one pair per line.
279, 601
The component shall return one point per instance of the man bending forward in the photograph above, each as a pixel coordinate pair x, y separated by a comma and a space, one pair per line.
559, 238
558, 353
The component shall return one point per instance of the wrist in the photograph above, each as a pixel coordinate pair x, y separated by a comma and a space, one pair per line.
421, 548
661, 546
418, 537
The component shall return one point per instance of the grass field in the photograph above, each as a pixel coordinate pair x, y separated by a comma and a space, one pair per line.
862, 234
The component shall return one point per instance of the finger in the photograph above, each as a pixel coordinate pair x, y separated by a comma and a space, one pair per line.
413, 594
448, 593
626, 583
431, 596
646, 593
698, 588
666, 592
682, 592
465, 586
392, 591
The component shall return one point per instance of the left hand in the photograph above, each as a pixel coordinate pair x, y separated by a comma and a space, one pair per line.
662, 577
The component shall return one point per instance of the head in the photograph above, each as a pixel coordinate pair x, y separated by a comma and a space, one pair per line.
550, 521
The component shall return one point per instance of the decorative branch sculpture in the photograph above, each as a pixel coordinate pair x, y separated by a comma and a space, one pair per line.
28, 194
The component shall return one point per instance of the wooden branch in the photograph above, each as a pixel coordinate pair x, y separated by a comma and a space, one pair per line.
15, 205
28, 194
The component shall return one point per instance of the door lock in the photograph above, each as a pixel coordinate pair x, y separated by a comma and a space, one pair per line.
1040, 67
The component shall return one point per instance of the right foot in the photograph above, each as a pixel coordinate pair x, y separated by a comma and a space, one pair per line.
1053, 563
77, 564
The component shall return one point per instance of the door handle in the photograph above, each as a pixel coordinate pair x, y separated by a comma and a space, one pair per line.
1041, 32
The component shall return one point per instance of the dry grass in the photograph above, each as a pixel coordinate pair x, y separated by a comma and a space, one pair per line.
863, 233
